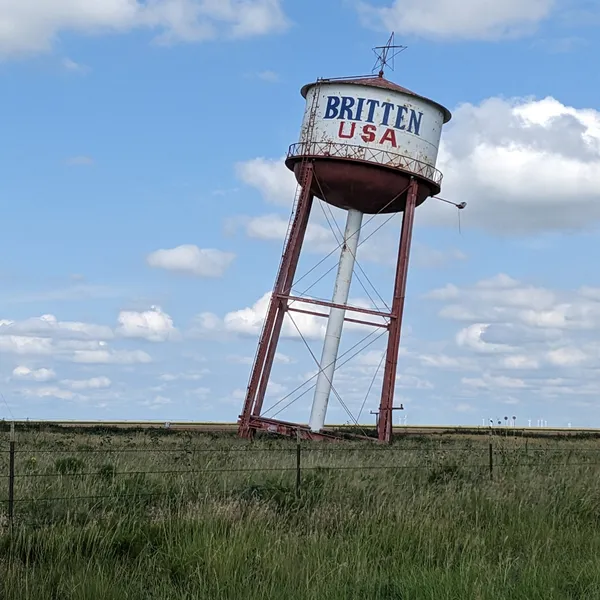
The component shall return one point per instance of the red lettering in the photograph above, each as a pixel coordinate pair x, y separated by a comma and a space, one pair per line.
341, 130
368, 133
389, 136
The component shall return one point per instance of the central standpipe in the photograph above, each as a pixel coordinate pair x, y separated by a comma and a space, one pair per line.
335, 322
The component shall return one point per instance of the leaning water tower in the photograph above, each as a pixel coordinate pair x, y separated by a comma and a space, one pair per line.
368, 146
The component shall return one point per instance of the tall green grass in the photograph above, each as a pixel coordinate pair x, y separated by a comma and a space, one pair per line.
420, 520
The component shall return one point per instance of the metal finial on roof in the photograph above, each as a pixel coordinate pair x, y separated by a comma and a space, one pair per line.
386, 54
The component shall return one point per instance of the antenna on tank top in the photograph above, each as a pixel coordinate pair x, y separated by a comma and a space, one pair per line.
386, 55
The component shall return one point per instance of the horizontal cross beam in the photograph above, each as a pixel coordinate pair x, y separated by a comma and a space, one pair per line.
367, 311
318, 314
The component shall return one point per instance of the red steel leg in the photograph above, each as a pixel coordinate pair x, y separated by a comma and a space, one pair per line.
276, 312
384, 422
297, 247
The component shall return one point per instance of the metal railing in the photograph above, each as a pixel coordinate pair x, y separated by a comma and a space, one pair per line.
362, 153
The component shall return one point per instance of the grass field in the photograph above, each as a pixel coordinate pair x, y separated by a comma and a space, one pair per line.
166, 515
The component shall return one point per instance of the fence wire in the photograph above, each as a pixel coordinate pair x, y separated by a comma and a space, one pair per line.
46, 477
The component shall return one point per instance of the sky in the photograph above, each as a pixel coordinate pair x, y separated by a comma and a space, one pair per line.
145, 201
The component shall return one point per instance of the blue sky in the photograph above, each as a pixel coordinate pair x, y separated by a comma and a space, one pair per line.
144, 201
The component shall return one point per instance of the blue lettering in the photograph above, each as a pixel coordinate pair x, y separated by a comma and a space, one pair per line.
414, 123
373, 104
333, 103
363, 109
399, 117
359, 108
346, 108
387, 108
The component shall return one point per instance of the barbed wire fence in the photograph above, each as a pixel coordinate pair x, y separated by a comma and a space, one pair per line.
34, 478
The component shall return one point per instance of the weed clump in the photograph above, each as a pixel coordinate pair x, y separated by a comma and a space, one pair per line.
444, 474
69, 465
107, 472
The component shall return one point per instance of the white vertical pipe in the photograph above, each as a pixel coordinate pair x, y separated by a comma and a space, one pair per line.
335, 322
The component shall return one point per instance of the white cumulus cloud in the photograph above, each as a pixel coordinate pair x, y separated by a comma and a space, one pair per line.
153, 325
249, 320
32, 26
317, 239
567, 356
471, 337
459, 19
42, 374
23, 345
191, 376
270, 177
490, 382
520, 361
548, 336
157, 402
188, 258
79, 342
522, 166
94, 383
74, 67
111, 357
50, 392
527, 308
50, 326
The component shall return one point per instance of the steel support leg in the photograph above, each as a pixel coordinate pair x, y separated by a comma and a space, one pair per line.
281, 304
265, 355
384, 422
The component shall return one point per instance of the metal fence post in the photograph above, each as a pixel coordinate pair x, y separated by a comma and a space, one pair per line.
298, 465
11, 474
491, 462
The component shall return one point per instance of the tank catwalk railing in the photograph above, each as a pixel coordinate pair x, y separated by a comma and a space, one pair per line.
361, 153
